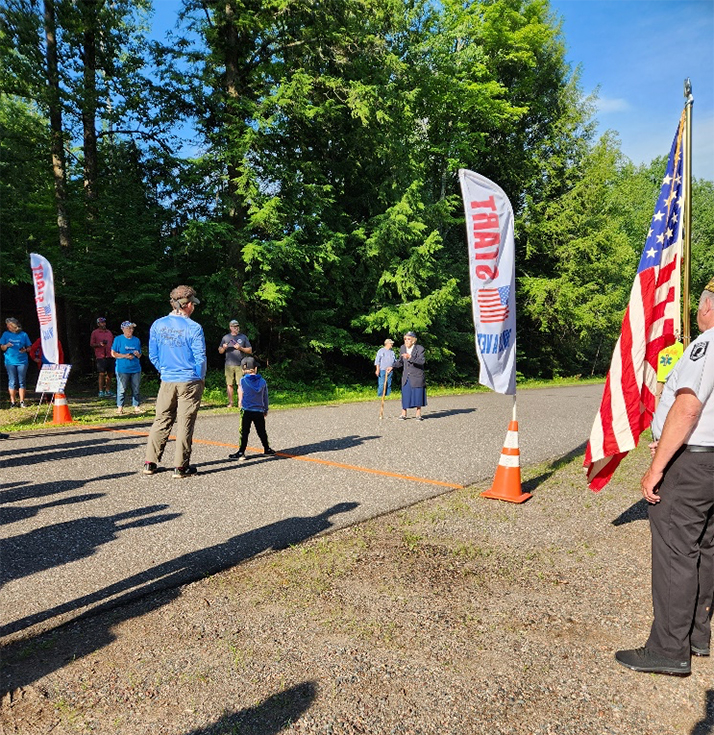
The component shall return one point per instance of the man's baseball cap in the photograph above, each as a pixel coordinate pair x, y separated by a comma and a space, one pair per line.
100, 319
233, 323
389, 339
410, 334
127, 324
184, 295
710, 286
249, 363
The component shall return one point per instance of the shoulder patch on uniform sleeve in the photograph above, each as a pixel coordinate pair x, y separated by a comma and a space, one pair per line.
699, 350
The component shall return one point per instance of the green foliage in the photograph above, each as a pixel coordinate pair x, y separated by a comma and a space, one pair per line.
319, 204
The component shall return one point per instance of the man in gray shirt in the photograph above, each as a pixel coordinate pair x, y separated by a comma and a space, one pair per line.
235, 346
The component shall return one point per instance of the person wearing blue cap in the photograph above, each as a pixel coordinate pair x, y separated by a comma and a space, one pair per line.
126, 351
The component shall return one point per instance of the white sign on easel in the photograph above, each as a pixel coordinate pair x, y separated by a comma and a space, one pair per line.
52, 378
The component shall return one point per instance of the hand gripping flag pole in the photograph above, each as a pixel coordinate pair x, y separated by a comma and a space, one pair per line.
491, 244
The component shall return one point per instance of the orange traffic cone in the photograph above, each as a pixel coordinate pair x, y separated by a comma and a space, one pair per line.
60, 410
507, 483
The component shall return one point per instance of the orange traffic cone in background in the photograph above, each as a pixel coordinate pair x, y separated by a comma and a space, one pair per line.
60, 410
507, 483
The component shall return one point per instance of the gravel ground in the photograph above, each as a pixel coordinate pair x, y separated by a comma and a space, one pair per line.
457, 615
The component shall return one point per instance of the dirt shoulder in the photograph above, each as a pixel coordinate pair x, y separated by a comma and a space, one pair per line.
458, 615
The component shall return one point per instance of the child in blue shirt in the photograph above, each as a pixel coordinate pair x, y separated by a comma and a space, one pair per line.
253, 403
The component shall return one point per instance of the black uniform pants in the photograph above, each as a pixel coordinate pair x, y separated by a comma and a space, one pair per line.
246, 419
682, 526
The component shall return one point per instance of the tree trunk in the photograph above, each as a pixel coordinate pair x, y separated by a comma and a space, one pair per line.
89, 109
56, 131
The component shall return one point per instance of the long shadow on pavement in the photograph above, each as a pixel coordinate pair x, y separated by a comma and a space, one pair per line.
22, 512
19, 491
62, 543
47, 454
447, 412
159, 585
328, 445
267, 718
52, 448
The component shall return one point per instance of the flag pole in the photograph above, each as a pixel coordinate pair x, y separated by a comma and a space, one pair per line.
687, 243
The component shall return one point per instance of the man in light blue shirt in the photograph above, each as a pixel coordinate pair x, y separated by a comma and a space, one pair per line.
177, 349
383, 363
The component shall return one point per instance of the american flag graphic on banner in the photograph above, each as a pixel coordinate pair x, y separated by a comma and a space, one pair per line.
652, 315
493, 304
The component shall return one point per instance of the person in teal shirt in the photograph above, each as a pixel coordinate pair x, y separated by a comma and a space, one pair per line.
126, 351
15, 344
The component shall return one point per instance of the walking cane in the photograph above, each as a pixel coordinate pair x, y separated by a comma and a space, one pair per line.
384, 393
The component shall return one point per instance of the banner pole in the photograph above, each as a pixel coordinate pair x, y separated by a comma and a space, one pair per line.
687, 243
514, 417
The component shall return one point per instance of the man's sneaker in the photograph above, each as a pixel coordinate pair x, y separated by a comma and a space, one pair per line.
100, 394
109, 394
181, 472
22, 404
643, 659
269, 451
240, 456
13, 405
150, 468
701, 651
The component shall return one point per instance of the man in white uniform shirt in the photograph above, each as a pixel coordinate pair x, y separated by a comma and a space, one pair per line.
679, 485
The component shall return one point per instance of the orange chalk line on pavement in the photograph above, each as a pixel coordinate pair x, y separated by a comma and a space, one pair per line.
302, 458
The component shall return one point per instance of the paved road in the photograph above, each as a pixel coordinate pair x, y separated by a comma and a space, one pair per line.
82, 529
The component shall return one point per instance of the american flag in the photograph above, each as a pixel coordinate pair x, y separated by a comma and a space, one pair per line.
44, 314
648, 326
493, 304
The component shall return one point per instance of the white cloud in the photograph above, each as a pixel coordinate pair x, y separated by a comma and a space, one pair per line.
606, 105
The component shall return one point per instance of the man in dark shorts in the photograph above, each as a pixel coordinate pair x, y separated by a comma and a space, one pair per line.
101, 341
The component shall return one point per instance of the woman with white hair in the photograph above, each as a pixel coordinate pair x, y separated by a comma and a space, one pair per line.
411, 359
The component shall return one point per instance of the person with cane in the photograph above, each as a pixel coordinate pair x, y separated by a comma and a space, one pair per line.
383, 363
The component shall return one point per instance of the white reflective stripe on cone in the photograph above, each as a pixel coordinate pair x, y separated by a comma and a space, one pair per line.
510, 460
511, 440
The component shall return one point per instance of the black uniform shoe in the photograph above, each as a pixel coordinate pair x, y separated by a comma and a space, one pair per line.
699, 651
269, 451
236, 455
643, 659
150, 468
181, 472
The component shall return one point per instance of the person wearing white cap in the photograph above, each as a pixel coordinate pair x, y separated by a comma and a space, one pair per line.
384, 359
126, 351
679, 485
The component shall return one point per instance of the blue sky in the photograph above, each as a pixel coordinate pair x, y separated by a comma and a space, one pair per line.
638, 52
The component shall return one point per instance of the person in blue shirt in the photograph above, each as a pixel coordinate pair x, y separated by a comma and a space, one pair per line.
177, 349
126, 351
253, 403
384, 360
15, 344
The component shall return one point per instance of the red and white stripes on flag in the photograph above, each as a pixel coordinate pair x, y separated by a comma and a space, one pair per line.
492, 273
649, 325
